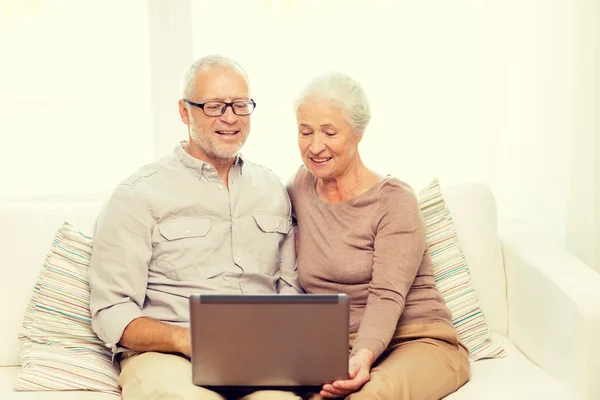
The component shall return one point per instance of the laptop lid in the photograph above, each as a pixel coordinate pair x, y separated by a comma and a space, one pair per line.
269, 340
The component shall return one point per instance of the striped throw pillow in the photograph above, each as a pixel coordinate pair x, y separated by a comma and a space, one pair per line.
59, 349
451, 273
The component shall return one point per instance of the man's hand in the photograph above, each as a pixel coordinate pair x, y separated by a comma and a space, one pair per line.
359, 373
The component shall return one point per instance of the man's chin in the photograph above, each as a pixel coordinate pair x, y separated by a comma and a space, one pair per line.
227, 154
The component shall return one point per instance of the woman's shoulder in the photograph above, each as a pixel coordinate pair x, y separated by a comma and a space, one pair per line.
395, 187
397, 195
299, 180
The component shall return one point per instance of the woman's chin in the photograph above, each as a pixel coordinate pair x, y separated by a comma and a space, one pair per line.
320, 174
319, 170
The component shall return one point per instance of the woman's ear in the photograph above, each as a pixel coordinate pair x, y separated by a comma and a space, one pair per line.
360, 136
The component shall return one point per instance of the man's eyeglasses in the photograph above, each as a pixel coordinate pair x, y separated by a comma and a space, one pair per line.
217, 108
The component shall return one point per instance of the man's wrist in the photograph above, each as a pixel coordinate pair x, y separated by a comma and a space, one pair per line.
179, 339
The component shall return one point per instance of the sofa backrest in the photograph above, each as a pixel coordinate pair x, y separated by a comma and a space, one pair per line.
27, 228
473, 211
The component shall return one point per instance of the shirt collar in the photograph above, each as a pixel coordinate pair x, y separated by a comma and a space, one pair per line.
195, 164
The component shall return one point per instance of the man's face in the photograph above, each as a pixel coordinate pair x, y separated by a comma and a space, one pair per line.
222, 137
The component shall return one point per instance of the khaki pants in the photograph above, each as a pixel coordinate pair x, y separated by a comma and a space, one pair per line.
422, 362
160, 376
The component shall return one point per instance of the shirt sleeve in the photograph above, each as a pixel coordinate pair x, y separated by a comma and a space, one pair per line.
288, 269
288, 266
398, 252
118, 271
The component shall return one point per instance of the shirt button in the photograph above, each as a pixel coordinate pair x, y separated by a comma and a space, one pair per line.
187, 230
220, 187
237, 259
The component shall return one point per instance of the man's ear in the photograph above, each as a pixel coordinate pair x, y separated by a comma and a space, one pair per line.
184, 113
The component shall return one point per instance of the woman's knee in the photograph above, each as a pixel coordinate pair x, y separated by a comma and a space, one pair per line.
272, 395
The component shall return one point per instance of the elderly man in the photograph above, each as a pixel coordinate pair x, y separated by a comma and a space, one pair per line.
203, 220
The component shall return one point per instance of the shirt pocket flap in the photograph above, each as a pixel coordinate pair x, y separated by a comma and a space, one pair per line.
272, 223
182, 228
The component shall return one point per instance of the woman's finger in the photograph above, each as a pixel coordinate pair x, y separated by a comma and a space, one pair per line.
333, 389
352, 384
352, 371
334, 393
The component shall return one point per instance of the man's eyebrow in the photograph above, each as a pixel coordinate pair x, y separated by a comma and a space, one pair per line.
223, 99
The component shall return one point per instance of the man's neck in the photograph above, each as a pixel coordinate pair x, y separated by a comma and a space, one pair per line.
222, 165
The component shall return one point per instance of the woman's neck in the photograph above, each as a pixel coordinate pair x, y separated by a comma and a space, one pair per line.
355, 181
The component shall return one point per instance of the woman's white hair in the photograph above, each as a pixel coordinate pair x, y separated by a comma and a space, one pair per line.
188, 79
345, 92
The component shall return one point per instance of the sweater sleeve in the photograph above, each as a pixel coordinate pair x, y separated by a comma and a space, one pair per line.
398, 251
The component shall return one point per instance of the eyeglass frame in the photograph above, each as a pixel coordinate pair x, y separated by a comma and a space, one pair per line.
201, 106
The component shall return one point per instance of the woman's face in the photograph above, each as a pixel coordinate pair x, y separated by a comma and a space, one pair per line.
328, 143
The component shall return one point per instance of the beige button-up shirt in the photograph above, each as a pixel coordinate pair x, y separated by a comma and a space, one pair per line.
173, 229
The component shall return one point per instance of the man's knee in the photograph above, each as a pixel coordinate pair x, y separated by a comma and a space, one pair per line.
160, 376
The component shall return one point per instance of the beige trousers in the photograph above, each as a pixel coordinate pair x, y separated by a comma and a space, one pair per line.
422, 362
161, 376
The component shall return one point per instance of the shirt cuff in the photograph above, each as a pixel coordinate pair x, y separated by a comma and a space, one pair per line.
110, 323
287, 289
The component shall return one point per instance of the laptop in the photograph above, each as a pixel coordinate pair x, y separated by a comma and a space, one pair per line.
279, 341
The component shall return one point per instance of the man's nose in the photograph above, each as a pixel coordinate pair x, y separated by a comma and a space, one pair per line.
229, 116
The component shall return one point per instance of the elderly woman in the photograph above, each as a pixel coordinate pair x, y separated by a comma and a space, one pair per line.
363, 234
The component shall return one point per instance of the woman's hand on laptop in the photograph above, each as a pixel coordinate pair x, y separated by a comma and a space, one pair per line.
358, 374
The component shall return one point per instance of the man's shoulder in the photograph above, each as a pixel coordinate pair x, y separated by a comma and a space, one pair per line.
262, 172
146, 173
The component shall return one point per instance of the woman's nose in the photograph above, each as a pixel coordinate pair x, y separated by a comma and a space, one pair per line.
316, 145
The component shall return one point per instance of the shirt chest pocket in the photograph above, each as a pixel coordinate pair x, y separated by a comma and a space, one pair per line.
185, 247
270, 231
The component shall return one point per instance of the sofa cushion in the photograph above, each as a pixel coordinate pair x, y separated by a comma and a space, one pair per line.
28, 225
8, 375
512, 377
59, 349
451, 274
473, 211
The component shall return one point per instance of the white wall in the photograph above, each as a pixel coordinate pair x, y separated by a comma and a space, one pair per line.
583, 227
500, 91
495, 91
74, 94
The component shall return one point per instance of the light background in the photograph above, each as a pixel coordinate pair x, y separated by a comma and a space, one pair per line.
500, 91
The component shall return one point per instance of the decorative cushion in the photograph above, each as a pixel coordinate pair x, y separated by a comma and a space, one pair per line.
59, 349
451, 273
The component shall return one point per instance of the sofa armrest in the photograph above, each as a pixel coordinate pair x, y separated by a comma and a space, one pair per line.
554, 310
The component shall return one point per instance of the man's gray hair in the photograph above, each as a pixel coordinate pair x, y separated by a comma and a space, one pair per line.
188, 79
345, 92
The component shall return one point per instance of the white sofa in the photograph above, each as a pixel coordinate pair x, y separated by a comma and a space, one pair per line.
541, 303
